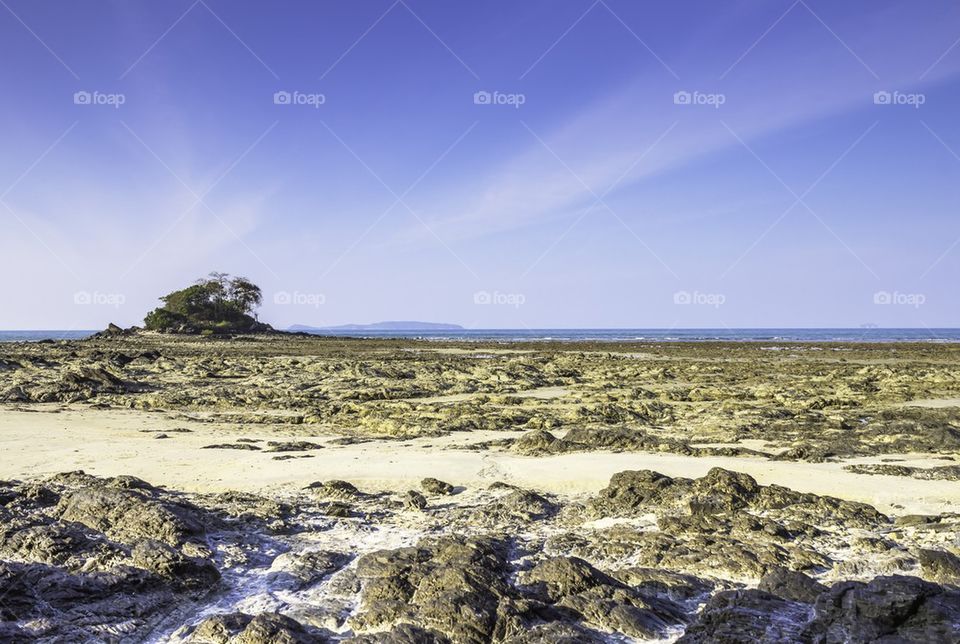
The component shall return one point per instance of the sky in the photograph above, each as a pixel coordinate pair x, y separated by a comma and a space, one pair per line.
496, 164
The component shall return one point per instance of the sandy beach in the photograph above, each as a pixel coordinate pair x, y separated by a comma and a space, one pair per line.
311, 489
51, 439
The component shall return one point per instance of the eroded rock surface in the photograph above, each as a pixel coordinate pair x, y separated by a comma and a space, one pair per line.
719, 558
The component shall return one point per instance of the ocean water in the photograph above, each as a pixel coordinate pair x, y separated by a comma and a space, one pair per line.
34, 336
601, 335
669, 335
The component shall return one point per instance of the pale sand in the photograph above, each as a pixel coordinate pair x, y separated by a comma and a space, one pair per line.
934, 403
110, 443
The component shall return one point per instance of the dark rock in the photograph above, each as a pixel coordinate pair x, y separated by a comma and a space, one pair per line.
534, 442
334, 489
173, 566
413, 500
520, 507
453, 585
891, 609
742, 616
240, 628
574, 585
436, 487
940, 566
292, 446
401, 634
131, 515
791, 584
558, 633
245, 446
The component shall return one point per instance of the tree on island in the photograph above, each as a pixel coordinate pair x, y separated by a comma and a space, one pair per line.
215, 304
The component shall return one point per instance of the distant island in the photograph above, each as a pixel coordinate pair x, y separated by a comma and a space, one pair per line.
402, 325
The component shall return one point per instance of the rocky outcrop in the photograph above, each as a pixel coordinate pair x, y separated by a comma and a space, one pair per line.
453, 585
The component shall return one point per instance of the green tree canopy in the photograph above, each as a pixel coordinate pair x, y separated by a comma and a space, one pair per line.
217, 303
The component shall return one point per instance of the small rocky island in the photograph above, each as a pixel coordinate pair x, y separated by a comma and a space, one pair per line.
218, 304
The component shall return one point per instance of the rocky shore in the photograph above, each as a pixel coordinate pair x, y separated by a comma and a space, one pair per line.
119, 554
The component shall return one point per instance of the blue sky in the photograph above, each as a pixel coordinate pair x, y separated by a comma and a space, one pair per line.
586, 192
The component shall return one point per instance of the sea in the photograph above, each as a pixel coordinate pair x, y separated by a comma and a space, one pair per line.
600, 335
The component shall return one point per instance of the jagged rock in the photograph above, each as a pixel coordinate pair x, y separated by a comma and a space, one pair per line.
748, 616
243, 446
68, 545
453, 585
677, 587
292, 446
240, 628
436, 487
632, 493
520, 507
534, 442
131, 515
893, 609
791, 584
334, 490
172, 565
413, 500
82, 606
602, 601
401, 634
558, 633
940, 566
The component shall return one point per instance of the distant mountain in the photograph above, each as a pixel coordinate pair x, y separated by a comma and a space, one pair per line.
403, 325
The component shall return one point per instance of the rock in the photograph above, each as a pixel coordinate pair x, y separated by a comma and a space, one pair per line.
747, 616
67, 545
299, 570
791, 584
558, 633
893, 609
602, 601
454, 585
111, 331
940, 566
632, 492
518, 508
240, 628
244, 446
413, 500
292, 446
334, 490
436, 487
534, 442
337, 509
173, 566
722, 491
131, 515
80, 607
400, 634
